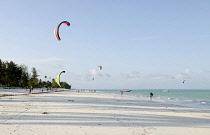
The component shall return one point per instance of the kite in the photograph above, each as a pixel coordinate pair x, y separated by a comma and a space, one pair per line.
100, 67
56, 30
57, 80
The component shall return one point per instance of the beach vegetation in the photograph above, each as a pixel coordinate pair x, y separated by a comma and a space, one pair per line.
14, 75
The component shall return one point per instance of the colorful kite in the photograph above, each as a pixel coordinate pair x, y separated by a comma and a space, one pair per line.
56, 31
57, 80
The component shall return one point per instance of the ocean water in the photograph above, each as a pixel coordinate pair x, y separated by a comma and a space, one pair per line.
197, 98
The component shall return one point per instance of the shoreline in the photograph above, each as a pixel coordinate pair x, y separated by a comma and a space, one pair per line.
70, 112
169, 99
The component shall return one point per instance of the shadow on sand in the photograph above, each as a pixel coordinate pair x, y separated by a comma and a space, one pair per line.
114, 112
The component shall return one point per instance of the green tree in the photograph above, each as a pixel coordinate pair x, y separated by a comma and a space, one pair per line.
1, 72
25, 76
54, 84
13, 74
34, 81
40, 83
65, 85
48, 84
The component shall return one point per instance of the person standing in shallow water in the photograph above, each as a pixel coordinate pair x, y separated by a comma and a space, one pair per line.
151, 95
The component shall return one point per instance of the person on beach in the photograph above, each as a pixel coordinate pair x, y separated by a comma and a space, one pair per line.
30, 90
151, 95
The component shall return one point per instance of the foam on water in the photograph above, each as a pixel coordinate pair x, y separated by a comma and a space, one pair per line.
203, 102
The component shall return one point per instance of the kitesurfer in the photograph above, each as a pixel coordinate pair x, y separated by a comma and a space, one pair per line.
151, 95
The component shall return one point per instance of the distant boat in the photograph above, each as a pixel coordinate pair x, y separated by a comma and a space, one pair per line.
165, 91
125, 90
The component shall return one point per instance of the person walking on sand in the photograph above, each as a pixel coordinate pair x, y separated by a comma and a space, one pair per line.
151, 95
30, 90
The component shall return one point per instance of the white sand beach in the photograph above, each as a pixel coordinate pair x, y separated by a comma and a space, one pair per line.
86, 113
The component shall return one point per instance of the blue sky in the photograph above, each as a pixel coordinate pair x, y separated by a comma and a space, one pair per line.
141, 44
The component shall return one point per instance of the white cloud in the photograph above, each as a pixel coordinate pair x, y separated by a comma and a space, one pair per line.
97, 73
184, 75
138, 75
132, 75
93, 72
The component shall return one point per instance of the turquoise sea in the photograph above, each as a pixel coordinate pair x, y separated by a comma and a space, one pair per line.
198, 98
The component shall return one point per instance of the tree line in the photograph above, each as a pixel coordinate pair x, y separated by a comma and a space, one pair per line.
14, 75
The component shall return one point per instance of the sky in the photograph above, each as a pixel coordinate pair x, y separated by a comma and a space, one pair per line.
141, 44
